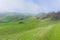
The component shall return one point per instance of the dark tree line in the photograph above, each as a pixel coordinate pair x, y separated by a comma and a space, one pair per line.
51, 15
54, 15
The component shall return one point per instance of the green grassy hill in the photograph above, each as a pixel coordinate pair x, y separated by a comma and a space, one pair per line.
31, 29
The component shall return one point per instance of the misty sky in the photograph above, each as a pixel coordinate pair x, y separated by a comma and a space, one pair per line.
31, 6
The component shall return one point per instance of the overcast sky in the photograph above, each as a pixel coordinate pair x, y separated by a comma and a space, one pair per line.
32, 6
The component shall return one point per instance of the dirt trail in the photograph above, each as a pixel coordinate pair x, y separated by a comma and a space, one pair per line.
43, 33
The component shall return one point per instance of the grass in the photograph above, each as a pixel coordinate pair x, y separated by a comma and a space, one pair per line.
31, 29
54, 33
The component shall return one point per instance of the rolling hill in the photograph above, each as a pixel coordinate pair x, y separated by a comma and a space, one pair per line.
30, 29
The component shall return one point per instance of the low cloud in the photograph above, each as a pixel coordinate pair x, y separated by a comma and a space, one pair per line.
17, 6
33, 6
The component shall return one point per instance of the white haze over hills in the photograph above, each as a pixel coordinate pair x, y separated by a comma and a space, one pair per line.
29, 6
17, 6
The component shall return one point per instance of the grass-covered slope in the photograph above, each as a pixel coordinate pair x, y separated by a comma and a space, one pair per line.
31, 29
54, 33
13, 17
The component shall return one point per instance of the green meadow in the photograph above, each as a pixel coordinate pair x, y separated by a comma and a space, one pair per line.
28, 28
31, 29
